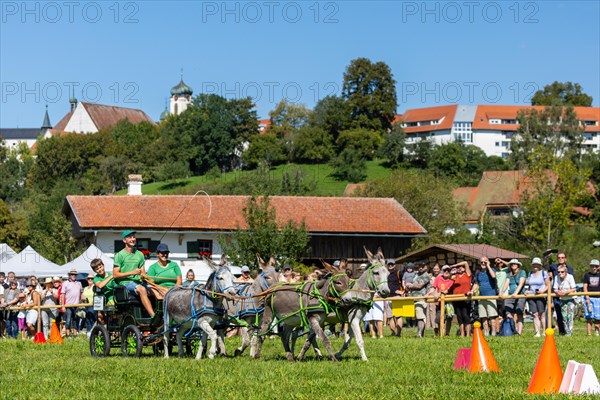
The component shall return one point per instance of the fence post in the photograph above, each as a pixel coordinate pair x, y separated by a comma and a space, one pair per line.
549, 311
442, 315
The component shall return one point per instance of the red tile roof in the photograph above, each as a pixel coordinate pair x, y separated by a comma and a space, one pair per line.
430, 114
218, 213
497, 188
486, 112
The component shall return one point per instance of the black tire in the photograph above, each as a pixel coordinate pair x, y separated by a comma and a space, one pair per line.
99, 341
131, 341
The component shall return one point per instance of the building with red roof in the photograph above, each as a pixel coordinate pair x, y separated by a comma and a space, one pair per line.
489, 127
339, 227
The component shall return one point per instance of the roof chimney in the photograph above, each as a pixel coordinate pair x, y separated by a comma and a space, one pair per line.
134, 185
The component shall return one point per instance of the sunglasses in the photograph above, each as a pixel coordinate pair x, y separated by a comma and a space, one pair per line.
562, 272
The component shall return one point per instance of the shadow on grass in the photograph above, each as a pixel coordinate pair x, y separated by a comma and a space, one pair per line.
174, 185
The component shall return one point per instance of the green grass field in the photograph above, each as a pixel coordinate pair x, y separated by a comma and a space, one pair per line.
398, 368
325, 185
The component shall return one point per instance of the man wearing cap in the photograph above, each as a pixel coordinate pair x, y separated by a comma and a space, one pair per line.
71, 294
288, 275
128, 269
420, 286
245, 277
591, 283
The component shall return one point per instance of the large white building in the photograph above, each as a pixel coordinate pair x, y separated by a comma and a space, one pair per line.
489, 127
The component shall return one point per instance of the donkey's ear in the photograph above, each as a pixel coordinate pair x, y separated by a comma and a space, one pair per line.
328, 266
272, 263
261, 262
368, 253
380, 254
223, 259
210, 263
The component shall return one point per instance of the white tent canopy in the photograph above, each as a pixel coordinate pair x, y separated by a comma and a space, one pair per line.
82, 263
6, 253
29, 262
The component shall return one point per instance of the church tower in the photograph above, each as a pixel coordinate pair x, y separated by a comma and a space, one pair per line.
181, 97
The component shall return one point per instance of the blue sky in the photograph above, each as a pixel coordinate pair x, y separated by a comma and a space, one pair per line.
130, 53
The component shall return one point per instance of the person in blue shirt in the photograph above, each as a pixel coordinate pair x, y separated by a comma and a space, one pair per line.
485, 281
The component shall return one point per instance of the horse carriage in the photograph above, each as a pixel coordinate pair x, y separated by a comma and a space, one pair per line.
126, 324
198, 313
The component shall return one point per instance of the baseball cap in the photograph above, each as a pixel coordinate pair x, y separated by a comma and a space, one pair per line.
245, 268
127, 233
391, 261
162, 248
595, 262
286, 266
446, 268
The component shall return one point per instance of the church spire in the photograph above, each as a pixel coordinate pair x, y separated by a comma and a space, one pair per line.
46, 124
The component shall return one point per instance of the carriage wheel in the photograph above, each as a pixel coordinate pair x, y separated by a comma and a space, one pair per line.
131, 341
99, 341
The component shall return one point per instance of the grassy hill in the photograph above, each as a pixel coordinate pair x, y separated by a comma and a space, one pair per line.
322, 184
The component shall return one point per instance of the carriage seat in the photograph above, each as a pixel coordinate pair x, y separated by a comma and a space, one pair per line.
123, 296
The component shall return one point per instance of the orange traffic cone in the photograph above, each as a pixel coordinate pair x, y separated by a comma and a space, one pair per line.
55, 334
547, 375
482, 359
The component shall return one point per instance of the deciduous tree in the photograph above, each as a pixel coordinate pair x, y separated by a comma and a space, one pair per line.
563, 94
370, 90
263, 235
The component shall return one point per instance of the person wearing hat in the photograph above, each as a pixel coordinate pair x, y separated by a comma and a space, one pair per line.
515, 284
591, 283
443, 285
71, 293
288, 276
420, 286
88, 298
539, 283
128, 270
395, 285
49, 298
33, 300
163, 274
245, 277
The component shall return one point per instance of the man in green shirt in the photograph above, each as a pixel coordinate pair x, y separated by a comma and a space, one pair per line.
128, 270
